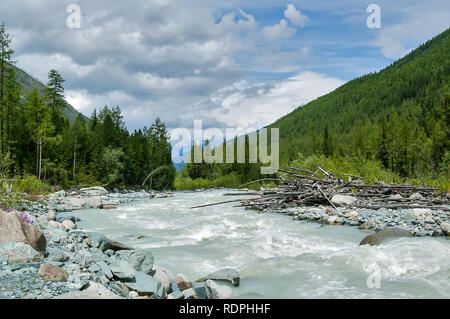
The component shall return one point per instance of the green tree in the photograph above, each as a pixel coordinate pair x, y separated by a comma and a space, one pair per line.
5, 58
40, 125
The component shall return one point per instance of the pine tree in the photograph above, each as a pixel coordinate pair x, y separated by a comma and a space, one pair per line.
5, 59
12, 102
326, 142
54, 92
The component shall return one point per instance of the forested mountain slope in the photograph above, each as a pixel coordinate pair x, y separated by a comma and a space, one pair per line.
28, 83
398, 116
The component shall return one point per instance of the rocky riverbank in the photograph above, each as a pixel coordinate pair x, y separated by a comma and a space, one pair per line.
44, 255
419, 222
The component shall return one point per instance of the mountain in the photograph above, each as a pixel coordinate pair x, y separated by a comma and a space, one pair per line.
398, 116
29, 83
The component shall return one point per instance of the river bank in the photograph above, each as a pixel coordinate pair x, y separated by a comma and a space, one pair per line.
44, 255
161, 227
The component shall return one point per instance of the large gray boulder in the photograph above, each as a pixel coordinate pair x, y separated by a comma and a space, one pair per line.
140, 259
385, 235
226, 274
215, 291
14, 228
122, 270
93, 291
19, 253
164, 276
76, 202
94, 202
105, 269
146, 285
418, 214
98, 240
94, 191
343, 200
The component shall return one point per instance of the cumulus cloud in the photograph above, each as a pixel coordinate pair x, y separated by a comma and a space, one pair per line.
295, 16
267, 102
280, 30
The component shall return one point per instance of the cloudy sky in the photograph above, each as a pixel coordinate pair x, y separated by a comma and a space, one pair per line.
229, 63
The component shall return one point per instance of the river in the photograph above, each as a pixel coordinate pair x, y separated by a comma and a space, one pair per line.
276, 256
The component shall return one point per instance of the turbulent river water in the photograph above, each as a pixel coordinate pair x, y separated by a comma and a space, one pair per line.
276, 256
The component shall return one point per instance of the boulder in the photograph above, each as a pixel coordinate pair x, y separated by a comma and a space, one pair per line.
215, 291
445, 228
51, 215
58, 256
68, 224
190, 294
332, 220
98, 240
66, 207
13, 228
133, 294
353, 214
94, 191
93, 291
343, 200
145, 285
164, 276
416, 196
418, 214
52, 273
43, 222
122, 270
182, 282
94, 202
367, 225
18, 253
105, 269
61, 193
385, 235
226, 274
200, 289
140, 259
76, 202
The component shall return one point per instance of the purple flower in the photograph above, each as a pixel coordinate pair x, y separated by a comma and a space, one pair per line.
25, 218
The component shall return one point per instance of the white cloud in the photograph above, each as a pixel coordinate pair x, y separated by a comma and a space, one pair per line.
277, 31
38, 65
295, 16
268, 102
419, 25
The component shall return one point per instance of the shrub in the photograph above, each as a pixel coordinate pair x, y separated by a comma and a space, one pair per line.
31, 185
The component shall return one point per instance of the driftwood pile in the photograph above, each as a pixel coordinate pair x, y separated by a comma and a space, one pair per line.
301, 187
